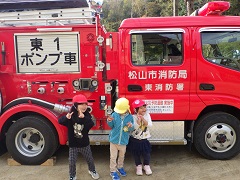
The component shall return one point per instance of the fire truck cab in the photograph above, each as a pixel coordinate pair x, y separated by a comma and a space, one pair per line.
186, 69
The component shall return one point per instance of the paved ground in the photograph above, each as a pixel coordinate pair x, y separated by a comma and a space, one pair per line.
168, 163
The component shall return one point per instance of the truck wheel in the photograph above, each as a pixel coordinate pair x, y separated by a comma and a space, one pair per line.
217, 136
31, 140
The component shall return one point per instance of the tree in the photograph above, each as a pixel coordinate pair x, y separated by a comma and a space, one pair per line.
190, 7
150, 8
175, 7
234, 8
112, 15
138, 8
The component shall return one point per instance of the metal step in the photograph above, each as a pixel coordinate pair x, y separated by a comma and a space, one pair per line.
162, 133
102, 139
99, 139
168, 142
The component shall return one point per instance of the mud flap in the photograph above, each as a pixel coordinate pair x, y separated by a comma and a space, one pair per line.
3, 148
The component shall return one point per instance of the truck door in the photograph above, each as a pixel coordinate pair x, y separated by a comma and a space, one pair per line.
220, 53
157, 70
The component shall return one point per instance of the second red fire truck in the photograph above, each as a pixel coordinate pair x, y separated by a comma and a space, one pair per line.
186, 69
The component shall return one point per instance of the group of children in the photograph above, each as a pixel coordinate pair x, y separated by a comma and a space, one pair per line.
127, 130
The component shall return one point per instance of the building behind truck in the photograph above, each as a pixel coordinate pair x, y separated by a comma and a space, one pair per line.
186, 69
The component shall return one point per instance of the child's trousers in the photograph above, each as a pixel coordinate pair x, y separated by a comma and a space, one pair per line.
73, 154
116, 152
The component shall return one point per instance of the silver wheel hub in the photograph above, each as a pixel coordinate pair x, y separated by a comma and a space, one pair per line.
220, 137
29, 142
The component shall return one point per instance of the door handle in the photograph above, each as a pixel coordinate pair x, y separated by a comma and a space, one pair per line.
134, 88
206, 87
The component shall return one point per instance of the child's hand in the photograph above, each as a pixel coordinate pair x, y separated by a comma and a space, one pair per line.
129, 124
69, 115
110, 118
140, 117
141, 120
81, 115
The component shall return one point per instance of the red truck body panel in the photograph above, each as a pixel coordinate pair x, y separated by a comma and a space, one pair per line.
186, 69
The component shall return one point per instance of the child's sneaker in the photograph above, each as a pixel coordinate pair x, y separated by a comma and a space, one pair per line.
122, 171
94, 174
73, 178
139, 170
114, 176
147, 170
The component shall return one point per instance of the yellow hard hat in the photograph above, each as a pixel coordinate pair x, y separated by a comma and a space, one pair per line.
121, 106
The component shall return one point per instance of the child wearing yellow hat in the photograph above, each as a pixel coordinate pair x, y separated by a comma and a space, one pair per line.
121, 123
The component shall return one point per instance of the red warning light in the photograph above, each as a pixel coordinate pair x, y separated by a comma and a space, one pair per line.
214, 8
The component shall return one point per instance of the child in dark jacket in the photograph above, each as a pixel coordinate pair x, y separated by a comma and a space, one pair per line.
79, 122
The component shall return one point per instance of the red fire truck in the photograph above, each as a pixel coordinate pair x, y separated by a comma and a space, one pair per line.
186, 69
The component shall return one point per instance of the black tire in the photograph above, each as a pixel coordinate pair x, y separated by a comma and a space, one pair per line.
31, 140
217, 136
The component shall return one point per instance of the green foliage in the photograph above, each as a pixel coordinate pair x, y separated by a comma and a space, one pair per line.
234, 9
113, 15
114, 11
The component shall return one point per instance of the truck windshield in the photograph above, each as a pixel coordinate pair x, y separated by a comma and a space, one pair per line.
156, 48
222, 47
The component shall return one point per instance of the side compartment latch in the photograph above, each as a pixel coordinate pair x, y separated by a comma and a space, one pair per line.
108, 88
